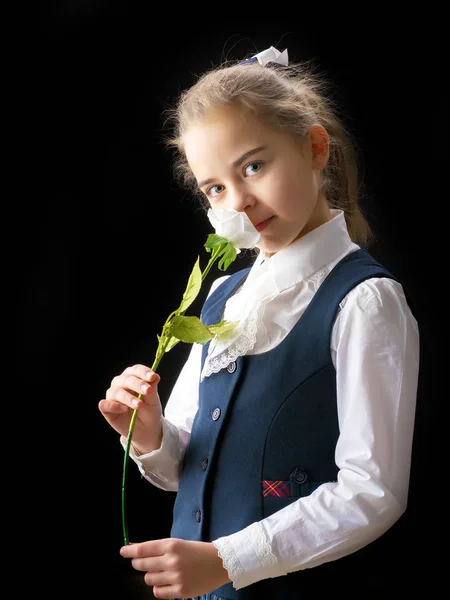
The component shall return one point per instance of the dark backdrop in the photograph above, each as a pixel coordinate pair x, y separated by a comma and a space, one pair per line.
108, 241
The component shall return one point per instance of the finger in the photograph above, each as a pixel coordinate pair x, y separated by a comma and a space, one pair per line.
163, 578
130, 383
165, 591
152, 564
133, 384
141, 388
140, 371
149, 549
136, 550
123, 396
111, 407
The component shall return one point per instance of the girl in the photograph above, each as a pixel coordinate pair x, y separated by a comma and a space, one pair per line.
289, 445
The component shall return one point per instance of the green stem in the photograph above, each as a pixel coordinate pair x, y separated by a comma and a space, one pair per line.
163, 341
124, 478
212, 260
159, 355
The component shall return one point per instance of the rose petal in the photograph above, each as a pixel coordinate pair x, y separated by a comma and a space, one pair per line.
234, 226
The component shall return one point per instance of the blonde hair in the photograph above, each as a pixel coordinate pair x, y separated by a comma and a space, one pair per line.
290, 98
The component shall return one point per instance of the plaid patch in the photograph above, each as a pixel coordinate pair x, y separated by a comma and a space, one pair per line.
276, 488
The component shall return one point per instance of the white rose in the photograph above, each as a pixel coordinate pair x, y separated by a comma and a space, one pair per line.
234, 226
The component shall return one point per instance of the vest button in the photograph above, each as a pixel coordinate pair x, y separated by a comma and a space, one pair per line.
231, 368
216, 414
198, 516
300, 477
204, 464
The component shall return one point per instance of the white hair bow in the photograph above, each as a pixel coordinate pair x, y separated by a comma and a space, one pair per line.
269, 55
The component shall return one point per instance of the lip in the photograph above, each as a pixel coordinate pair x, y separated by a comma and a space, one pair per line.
263, 224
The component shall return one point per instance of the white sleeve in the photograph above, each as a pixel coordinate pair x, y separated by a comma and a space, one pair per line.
375, 348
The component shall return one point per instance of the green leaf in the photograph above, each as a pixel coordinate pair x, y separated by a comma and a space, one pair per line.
227, 257
172, 342
226, 251
216, 327
213, 240
223, 329
190, 330
193, 287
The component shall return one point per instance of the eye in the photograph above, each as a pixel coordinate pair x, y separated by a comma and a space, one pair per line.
253, 168
215, 190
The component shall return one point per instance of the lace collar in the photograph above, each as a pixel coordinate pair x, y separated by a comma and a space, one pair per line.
304, 260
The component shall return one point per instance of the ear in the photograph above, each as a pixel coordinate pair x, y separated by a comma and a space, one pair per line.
320, 146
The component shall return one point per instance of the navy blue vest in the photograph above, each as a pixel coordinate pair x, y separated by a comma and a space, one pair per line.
267, 417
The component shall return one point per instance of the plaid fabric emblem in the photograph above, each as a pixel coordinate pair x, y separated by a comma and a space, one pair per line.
275, 488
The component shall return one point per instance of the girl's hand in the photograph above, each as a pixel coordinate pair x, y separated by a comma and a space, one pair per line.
122, 399
178, 568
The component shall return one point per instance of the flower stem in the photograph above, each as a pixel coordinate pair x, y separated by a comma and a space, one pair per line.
159, 354
215, 254
162, 345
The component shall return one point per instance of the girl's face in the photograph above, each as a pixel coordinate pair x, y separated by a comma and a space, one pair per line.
239, 162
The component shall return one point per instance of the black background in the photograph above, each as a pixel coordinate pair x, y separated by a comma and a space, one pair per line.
108, 241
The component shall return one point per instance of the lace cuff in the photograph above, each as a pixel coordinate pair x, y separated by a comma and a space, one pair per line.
247, 556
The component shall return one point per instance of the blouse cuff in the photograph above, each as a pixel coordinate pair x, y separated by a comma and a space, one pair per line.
247, 556
161, 466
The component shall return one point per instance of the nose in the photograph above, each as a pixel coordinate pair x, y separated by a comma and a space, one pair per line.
240, 198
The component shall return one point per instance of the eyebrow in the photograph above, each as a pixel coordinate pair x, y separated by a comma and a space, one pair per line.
236, 163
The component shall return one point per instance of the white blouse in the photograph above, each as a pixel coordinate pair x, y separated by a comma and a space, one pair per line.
375, 349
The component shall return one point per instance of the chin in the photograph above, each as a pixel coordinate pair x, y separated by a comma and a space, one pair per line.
270, 249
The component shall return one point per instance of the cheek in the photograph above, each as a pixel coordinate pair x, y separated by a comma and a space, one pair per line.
290, 189
293, 196
282, 191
